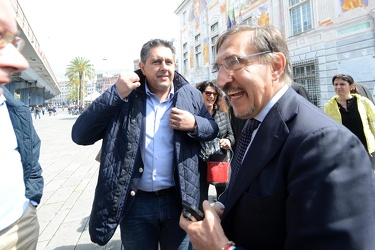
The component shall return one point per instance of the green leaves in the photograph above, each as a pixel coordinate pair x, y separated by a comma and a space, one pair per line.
78, 71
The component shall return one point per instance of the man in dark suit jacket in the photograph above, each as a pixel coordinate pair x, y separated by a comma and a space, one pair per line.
305, 181
300, 89
364, 91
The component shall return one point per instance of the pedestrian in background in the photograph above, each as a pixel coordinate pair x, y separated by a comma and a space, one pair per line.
361, 89
21, 182
354, 111
304, 181
151, 122
301, 90
37, 112
218, 108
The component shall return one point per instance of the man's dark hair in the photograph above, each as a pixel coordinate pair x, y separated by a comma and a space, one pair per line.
145, 51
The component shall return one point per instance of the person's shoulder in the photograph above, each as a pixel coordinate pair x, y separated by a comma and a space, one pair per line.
180, 78
313, 122
187, 90
363, 99
331, 100
296, 85
306, 113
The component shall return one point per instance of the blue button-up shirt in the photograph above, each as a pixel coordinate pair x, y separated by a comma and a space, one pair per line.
158, 153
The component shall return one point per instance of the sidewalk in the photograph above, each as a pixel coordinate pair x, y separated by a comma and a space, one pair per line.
70, 174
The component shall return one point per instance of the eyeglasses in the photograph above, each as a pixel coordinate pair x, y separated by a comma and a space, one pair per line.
8, 37
234, 62
209, 93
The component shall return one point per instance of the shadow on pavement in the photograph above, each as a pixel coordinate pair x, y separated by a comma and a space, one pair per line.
84, 224
112, 245
70, 118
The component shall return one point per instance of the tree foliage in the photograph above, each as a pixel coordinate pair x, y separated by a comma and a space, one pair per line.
77, 71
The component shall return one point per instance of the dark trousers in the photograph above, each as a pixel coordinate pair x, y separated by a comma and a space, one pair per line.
153, 220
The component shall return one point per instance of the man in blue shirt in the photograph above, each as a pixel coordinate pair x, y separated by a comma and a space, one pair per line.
151, 122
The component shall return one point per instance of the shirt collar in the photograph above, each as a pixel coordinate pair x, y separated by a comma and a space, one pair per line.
260, 117
148, 92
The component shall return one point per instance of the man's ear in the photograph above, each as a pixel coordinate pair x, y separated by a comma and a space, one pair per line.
278, 66
142, 67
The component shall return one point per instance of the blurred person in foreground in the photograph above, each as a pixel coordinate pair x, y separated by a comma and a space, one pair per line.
218, 108
353, 110
151, 122
21, 182
305, 181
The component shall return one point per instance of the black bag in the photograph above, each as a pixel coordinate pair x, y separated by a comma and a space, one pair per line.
209, 148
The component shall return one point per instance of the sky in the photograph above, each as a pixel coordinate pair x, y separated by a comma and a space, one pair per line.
109, 33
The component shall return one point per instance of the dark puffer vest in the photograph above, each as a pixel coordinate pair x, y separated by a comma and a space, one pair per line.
28, 146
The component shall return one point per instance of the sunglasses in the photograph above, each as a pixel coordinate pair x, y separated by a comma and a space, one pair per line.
209, 93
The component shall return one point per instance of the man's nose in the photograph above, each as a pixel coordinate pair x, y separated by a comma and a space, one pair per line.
223, 77
164, 65
12, 58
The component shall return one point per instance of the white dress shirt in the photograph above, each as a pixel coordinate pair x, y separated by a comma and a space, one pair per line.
13, 202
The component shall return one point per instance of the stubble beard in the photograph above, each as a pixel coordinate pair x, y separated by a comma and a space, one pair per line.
246, 115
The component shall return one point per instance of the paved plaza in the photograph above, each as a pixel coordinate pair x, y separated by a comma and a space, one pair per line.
70, 174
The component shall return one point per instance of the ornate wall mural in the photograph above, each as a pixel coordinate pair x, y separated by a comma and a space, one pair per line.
351, 4
198, 20
258, 10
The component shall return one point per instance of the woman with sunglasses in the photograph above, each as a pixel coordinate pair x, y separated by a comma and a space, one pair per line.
218, 108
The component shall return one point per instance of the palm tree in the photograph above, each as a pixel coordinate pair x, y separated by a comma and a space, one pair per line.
78, 69
73, 93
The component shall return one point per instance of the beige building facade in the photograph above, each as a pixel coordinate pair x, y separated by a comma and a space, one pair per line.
325, 37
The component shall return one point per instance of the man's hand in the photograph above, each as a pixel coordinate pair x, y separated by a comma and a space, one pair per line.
182, 120
126, 82
219, 209
206, 234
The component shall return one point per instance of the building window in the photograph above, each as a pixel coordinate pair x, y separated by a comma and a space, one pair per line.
198, 56
185, 58
198, 38
215, 27
305, 73
300, 12
184, 18
186, 61
213, 48
248, 21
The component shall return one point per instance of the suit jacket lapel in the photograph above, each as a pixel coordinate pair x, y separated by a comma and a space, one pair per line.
263, 148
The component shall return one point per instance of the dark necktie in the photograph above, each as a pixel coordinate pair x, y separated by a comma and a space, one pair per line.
244, 141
